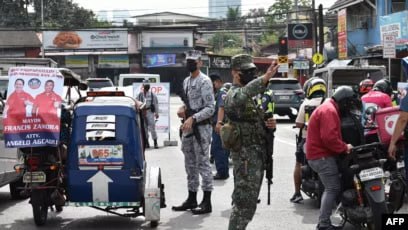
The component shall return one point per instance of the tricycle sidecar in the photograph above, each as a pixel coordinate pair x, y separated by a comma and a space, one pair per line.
106, 168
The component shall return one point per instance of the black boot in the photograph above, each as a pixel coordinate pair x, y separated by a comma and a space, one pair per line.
190, 203
155, 144
147, 145
205, 206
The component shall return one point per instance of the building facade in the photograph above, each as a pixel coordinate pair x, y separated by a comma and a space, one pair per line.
219, 8
362, 25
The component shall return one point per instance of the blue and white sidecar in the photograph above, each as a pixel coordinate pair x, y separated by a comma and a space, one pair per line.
106, 168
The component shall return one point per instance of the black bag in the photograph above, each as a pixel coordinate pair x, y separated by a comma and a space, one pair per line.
152, 107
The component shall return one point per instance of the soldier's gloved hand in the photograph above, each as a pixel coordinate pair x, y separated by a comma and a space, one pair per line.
270, 123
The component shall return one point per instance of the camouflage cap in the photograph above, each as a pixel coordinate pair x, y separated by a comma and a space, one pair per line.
242, 62
193, 54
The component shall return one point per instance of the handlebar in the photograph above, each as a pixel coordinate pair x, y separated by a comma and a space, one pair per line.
365, 147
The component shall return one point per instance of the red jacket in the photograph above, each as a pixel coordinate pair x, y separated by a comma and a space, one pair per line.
324, 132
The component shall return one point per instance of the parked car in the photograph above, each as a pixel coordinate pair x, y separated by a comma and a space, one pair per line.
288, 96
3, 86
97, 83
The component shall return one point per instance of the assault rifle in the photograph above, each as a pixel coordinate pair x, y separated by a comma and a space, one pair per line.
270, 136
189, 112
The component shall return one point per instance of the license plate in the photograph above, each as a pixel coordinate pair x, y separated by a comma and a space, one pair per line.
284, 97
400, 164
34, 177
371, 174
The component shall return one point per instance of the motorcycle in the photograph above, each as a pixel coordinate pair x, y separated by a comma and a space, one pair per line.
43, 166
363, 198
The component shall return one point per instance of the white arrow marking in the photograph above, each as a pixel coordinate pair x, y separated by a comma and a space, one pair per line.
100, 188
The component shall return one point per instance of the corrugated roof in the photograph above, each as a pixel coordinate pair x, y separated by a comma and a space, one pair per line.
11, 39
340, 4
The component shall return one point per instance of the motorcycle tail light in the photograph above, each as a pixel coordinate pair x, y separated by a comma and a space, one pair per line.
53, 167
33, 162
375, 187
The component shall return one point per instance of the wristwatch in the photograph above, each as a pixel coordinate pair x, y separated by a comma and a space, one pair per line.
220, 122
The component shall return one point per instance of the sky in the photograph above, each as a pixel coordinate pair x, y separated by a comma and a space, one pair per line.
193, 7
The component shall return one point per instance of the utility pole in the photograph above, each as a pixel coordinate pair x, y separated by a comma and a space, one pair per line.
314, 27
42, 29
321, 32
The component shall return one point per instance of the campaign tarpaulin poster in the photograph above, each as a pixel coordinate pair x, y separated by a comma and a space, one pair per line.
162, 91
31, 115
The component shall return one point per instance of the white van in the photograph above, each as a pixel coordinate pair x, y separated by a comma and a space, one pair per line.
338, 73
129, 78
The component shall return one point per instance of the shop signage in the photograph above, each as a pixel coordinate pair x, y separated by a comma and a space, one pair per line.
300, 35
74, 40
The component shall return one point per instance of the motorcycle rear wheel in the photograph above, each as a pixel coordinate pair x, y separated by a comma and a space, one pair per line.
40, 208
377, 209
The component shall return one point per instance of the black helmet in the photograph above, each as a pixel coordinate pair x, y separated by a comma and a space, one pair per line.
347, 99
383, 85
315, 87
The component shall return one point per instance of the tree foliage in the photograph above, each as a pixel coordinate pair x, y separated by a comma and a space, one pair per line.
233, 16
279, 10
222, 40
57, 14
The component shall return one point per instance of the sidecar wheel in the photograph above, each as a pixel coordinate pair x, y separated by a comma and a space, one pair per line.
154, 224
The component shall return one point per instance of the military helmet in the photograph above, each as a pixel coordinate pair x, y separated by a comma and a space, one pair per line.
315, 87
242, 62
384, 86
365, 86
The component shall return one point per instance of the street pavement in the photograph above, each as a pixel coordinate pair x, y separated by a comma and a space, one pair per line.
280, 214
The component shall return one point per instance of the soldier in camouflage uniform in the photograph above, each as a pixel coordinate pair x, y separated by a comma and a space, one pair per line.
196, 135
242, 111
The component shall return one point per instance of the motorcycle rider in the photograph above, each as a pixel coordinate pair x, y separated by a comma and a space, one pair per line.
379, 97
324, 143
365, 86
315, 91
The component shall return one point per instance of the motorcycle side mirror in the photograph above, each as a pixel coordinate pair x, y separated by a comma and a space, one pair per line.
293, 111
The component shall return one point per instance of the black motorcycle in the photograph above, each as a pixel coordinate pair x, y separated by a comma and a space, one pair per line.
43, 178
363, 198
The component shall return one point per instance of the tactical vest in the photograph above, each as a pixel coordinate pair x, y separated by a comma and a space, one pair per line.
249, 119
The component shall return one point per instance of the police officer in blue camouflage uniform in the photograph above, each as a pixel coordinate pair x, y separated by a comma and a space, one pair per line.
220, 154
242, 111
196, 134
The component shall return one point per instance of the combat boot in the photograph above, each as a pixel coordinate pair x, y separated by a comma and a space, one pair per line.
205, 206
190, 203
155, 144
